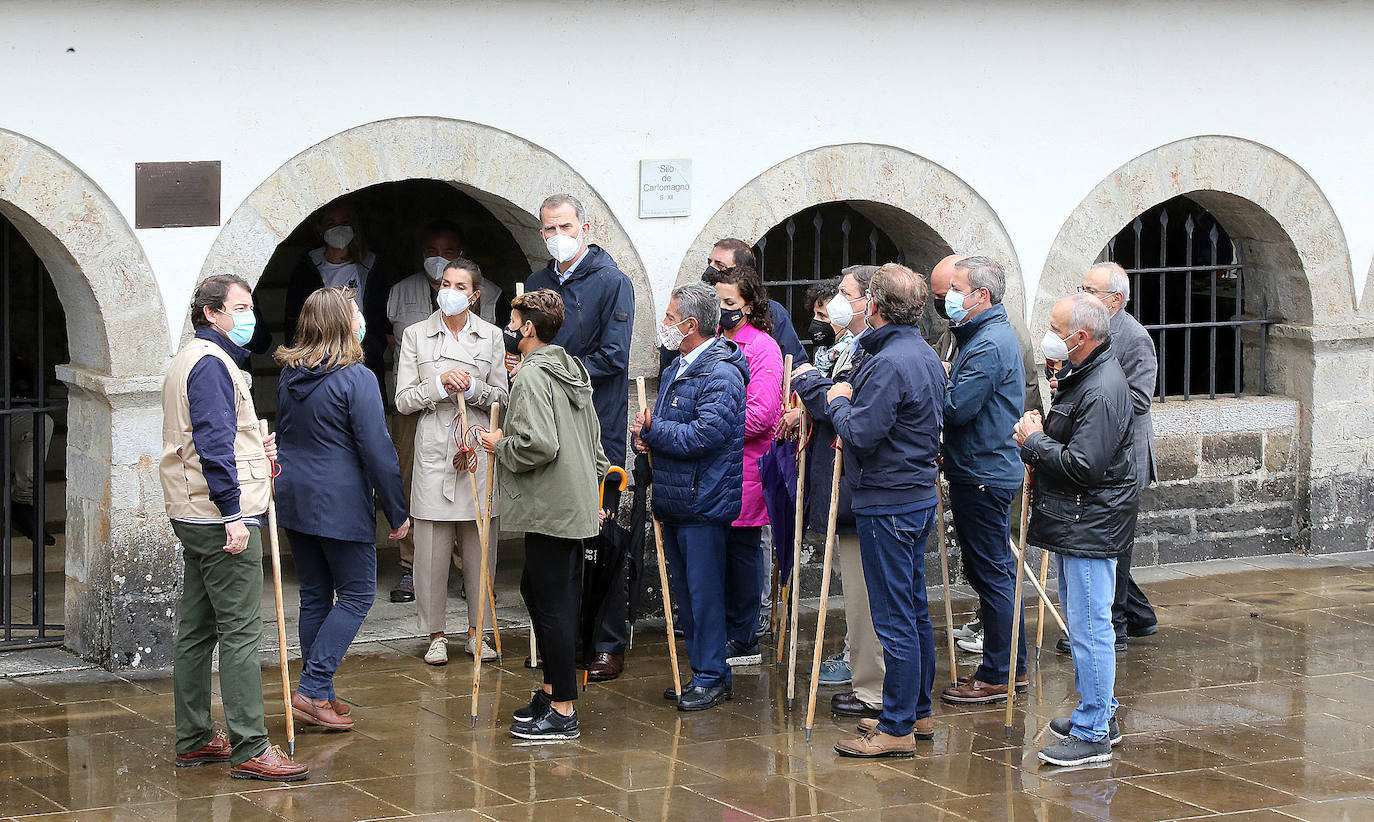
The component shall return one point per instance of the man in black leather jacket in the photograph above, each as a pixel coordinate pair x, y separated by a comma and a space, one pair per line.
1083, 508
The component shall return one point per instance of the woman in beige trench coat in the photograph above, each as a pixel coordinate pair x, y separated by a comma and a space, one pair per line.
454, 351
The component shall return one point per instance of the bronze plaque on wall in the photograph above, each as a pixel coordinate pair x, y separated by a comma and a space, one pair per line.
176, 195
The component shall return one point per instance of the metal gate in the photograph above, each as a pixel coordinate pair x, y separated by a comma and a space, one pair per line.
26, 428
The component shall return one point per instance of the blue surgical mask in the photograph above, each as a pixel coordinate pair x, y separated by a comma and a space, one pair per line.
954, 306
362, 328
245, 322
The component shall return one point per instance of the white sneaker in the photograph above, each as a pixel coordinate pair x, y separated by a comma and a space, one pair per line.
969, 629
438, 651
488, 653
973, 645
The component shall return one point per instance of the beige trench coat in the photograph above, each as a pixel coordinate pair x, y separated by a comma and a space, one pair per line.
438, 492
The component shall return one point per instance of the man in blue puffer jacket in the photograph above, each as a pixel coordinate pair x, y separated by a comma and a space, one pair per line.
696, 434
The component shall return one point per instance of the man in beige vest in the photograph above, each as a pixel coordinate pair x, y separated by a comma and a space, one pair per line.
216, 483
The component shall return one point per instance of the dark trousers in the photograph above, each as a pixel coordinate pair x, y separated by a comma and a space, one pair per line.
982, 520
221, 604
613, 633
338, 583
1130, 608
696, 558
743, 583
552, 588
893, 548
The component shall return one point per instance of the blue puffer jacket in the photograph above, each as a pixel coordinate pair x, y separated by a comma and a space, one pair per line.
697, 437
983, 402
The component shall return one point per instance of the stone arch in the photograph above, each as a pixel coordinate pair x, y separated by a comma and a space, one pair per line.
117, 337
925, 208
1271, 207
508, 175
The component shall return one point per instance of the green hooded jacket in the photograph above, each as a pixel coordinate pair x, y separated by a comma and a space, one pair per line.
549, 461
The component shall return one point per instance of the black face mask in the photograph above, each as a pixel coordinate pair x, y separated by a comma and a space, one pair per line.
512, 339
708, 273
730, 318
822, 333
940, 307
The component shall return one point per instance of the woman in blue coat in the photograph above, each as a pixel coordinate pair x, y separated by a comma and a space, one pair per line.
337, 465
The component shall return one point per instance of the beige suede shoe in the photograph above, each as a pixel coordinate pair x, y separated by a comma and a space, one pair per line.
922, 729
877, 744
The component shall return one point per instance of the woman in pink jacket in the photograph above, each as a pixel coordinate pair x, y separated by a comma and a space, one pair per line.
741, 293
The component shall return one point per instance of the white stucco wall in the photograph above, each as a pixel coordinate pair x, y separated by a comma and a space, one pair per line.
1032, 104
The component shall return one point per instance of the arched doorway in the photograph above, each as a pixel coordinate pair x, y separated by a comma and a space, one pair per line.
1246, 474
119, 555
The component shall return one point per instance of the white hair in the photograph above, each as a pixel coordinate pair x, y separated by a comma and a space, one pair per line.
1090, 315
1118, 281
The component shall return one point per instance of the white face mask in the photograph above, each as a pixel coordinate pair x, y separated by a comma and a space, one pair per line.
670, 336
841, 310
562, 247
434, 267
339, 236
452, 301
1054, 347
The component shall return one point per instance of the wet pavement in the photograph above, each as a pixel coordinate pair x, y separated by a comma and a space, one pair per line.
1254, 703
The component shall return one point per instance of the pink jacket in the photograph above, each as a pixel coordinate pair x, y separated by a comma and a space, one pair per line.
763, 409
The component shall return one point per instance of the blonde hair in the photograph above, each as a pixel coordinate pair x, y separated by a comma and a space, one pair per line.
324, 332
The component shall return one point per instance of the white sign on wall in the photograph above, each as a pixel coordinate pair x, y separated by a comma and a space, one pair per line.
665, 188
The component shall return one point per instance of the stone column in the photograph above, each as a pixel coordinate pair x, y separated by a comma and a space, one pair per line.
123, 562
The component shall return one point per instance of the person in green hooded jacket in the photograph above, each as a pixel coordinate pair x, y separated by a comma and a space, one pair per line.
549, 465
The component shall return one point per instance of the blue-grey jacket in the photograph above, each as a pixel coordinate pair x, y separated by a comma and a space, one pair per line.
696, 435
984, 398
337, 461
891, 428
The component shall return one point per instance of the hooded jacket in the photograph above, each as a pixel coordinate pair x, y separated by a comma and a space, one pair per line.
598, 319
983, 401
1084, 495
696, 435
550, 462
337, 461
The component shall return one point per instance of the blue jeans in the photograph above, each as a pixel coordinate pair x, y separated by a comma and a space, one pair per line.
893, 549
696, 558
1086, 590
982, 520
338, 583
743, 583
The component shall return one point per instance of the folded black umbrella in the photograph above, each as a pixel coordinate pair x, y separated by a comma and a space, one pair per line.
639, 534
604, 558
778, 476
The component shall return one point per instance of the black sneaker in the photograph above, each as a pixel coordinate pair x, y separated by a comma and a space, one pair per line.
1060, 728
552, 725
737, 654
405, 588
539, 703
1074, 751
1063, 647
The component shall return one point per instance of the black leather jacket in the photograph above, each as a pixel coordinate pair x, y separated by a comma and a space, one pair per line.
1085, 499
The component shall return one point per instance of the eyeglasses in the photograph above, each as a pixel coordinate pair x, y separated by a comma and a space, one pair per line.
1096, 292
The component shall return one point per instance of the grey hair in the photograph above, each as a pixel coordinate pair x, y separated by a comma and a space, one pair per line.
1090, 315
699, 302
1117, 280
559, 200
985, 273
862, 274
898, 294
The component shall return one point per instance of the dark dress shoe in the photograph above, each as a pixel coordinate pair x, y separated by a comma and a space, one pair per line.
698, 698
1063, 647
671, 695
606, 667
849, 704
1138, 631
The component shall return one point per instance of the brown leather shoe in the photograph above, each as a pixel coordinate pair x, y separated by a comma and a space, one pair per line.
974, 691
923, 729
272, 765
216, 750
847, 703
606, 667
318, 712
877, 744
340, 707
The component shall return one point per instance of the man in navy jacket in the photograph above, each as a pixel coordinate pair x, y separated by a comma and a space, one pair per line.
696, 435
888, 417
983, 401
598, 320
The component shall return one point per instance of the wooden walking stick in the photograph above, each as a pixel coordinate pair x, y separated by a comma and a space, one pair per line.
943, 540
825, 587
773, 592
482, 519
1040, 611
794, 587
276, 592
663, 569
482, 565
1039, 589
1016, 602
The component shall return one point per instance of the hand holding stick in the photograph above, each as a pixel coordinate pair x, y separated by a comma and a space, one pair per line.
662, 563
